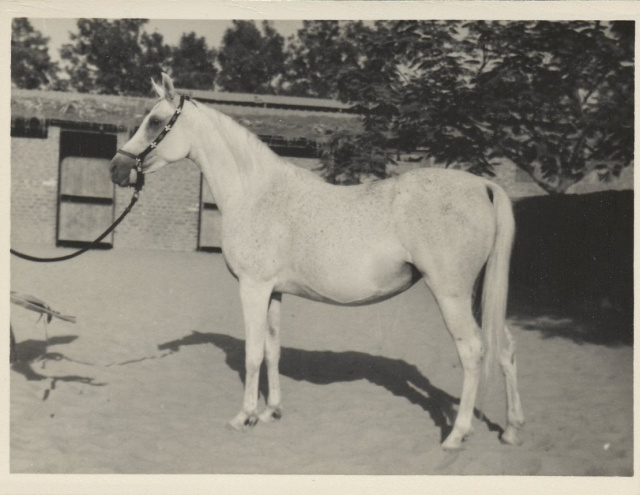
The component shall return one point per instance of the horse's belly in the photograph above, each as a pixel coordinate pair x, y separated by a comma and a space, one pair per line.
354, 286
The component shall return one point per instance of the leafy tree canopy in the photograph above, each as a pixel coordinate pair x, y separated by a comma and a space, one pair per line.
318, 55
193, 63
249, 60
114, 56
554, 97
31, 65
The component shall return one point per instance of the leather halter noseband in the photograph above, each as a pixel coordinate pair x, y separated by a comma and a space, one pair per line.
154, 144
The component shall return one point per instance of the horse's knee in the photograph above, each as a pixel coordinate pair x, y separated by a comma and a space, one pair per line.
272, 355
272, 349
253, 362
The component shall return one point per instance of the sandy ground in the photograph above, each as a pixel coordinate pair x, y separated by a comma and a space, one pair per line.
147, 378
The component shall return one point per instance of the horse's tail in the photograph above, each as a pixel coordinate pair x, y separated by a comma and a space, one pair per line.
496, 281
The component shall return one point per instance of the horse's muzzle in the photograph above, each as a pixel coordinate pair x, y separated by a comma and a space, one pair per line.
123, 171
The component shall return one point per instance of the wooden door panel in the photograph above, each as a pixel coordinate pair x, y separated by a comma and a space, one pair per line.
210, 229
210, 235
84, 222
85, 202
86, 177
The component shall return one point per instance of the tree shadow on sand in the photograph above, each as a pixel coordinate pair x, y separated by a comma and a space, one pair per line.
30, 352
584, 322
326, 367
572, 267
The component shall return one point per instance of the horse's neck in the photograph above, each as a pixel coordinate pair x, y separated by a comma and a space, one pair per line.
235, 163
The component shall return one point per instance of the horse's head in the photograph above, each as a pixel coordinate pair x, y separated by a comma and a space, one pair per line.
161, 138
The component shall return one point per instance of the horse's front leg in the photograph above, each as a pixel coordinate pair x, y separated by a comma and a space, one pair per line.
272, 354
255, 303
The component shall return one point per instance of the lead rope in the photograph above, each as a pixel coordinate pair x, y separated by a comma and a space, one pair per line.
138, 187
127, 210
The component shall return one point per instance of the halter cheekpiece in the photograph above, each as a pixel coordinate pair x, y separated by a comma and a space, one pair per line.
154, 144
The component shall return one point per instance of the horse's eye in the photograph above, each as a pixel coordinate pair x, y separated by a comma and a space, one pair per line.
154, 122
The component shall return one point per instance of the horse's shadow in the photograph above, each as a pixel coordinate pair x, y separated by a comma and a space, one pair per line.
326, 367
30, 352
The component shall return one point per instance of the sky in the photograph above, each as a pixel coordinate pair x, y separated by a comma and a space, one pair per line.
58, 30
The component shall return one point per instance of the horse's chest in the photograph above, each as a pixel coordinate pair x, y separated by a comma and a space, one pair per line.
251, 247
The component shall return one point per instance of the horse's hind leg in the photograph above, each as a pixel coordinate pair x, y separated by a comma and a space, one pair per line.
515, 417
457, 314
255, 303
272, 354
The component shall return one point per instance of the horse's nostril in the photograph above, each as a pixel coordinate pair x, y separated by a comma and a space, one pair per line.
113, 173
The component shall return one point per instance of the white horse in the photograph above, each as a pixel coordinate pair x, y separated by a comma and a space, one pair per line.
286, 231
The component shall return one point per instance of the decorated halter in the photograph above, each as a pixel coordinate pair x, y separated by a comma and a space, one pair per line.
154, 144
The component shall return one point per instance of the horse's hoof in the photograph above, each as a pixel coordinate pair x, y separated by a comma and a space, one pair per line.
251, 421
271, 414
510, 437
243, 421
452, 447
455, 440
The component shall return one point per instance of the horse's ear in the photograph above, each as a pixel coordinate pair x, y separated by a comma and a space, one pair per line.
158, 89
167, 84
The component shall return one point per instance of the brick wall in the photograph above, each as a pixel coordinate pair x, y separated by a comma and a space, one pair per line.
34, 189
166, 215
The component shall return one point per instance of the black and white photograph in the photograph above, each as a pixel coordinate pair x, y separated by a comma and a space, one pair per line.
361, 244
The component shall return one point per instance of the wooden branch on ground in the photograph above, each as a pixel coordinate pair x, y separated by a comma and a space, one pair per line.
34, 304
37, 305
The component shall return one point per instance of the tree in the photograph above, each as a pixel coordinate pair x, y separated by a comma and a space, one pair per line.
155, 58
316, 57
390, 58
193, 63
351, 157
249, 60
556, 98
31, 65
114, 56
560, 99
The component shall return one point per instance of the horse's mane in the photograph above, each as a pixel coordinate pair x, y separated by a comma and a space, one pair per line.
250, 153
